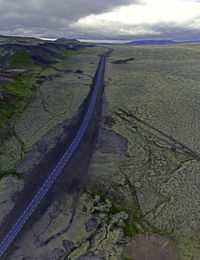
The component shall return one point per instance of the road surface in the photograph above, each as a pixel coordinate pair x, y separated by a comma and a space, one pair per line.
8, 239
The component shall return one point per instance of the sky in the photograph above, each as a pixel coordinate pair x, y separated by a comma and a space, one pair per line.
101, 19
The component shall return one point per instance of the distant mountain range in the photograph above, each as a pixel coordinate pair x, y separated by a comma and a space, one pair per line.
150, 42
66, 40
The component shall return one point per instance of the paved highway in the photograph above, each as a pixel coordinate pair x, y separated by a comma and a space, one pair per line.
5, 243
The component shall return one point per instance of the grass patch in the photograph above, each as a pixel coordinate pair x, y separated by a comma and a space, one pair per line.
3, 61
21, 59
14, 98
102, 196
10, 172
130, 230
66, 53
135, 217
135, 223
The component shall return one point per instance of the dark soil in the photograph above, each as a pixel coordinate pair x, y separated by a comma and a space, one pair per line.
79, 71
122, 61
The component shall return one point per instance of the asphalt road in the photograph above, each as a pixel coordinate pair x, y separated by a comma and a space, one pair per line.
8, 239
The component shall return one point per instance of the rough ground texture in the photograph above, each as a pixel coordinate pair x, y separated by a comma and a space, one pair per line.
46, 117
150, 247
151, 103
142, 197
76, 230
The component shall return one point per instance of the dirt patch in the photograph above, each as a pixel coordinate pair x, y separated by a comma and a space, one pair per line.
150, 247
109, 143
122, 61
79, 71
109, 121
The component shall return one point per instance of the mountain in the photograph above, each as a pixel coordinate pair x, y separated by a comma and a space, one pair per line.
66, 40
151, 42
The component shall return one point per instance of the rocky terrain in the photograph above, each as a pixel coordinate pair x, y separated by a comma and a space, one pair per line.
43, 90
151, 106
140, 199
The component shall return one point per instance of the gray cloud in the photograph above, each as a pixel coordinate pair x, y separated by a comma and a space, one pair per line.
148, 31
56, 18
51, 16
62, 9
178, 33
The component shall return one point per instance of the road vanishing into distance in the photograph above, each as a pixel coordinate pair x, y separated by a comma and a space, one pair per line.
5, 243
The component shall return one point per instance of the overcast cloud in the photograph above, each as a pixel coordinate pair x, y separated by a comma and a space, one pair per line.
104, 19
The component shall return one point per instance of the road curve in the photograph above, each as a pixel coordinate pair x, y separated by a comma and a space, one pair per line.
8, 239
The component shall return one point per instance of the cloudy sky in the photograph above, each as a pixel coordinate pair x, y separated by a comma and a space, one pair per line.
102, 19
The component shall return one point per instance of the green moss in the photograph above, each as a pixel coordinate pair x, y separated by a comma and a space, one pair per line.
129, 229
102, 196
135, 217
48, 72
21, 59
135, 224
160, 88
115, 209
3, 61
14, 98
66, 52
10, 172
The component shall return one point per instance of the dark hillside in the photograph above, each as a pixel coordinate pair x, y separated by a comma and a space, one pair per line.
21, 61
151, 42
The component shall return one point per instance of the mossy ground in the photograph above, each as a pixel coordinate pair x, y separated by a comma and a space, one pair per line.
152, 102
56, 106
21, 85
21, 59
146, 161
16, 95
21, 77
10, 172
